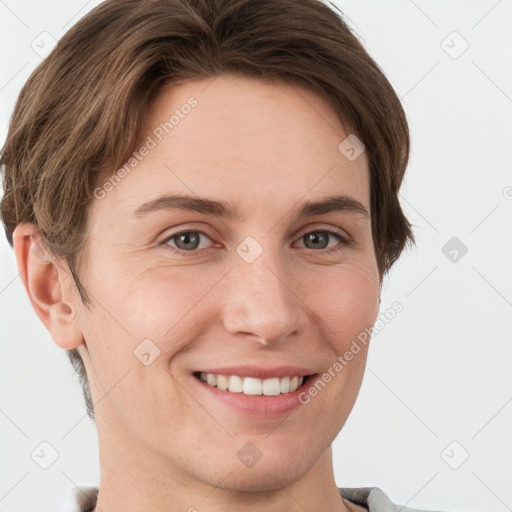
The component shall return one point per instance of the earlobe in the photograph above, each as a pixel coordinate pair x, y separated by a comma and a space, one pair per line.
48, 287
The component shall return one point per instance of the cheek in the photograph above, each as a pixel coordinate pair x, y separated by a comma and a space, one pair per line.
131, 308
149, 304
144, 313
166, 304
164, 301
346, 301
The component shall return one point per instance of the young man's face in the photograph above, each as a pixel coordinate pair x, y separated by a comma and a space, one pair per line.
265, 290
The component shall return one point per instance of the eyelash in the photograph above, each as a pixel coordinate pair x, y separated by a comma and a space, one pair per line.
344, 241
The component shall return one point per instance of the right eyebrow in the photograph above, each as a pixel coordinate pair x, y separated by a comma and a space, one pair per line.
187, 202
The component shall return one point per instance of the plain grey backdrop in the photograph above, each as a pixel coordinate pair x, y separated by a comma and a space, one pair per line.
432, 423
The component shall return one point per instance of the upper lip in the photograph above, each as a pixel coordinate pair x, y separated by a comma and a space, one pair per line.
260, 372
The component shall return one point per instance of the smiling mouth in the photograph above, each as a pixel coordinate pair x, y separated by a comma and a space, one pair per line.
253, 386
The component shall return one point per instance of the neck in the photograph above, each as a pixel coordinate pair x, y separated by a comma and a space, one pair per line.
137, 478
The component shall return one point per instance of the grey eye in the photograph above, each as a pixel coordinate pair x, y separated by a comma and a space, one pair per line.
319, 239
187, 240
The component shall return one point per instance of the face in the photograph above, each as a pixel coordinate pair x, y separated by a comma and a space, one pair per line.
244, 287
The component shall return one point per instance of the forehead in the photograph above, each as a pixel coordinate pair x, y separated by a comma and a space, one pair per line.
236, 137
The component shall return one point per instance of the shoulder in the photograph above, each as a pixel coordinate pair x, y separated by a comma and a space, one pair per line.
374, 499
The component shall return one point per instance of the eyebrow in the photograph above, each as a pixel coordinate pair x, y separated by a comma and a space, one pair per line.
333, 203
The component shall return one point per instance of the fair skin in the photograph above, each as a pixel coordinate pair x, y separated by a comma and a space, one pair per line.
166, 442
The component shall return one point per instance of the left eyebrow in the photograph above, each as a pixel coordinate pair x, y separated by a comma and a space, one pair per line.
335, 203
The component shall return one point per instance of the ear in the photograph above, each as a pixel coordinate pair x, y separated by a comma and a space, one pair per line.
48, 286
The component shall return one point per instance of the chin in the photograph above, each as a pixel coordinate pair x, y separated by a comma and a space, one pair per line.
264, 464
263, 477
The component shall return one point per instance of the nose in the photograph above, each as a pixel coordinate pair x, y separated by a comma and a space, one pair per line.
260, 301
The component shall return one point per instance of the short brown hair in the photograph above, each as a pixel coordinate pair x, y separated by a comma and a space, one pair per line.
82, 111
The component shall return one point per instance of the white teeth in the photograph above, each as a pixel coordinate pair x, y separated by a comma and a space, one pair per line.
271, 387
222, 382
251, 385
235, 384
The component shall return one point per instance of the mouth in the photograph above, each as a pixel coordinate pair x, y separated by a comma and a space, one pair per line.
253, 386
256, 393
261, 392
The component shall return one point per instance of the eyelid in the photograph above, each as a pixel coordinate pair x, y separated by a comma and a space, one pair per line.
187, 229
329, 228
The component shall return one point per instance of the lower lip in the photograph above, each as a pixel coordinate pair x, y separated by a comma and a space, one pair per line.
258, 406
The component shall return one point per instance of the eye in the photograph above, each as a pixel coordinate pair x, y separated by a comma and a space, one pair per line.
186, 241
319, 239
316, 240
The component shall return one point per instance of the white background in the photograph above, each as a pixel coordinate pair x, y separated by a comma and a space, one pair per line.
439, 372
